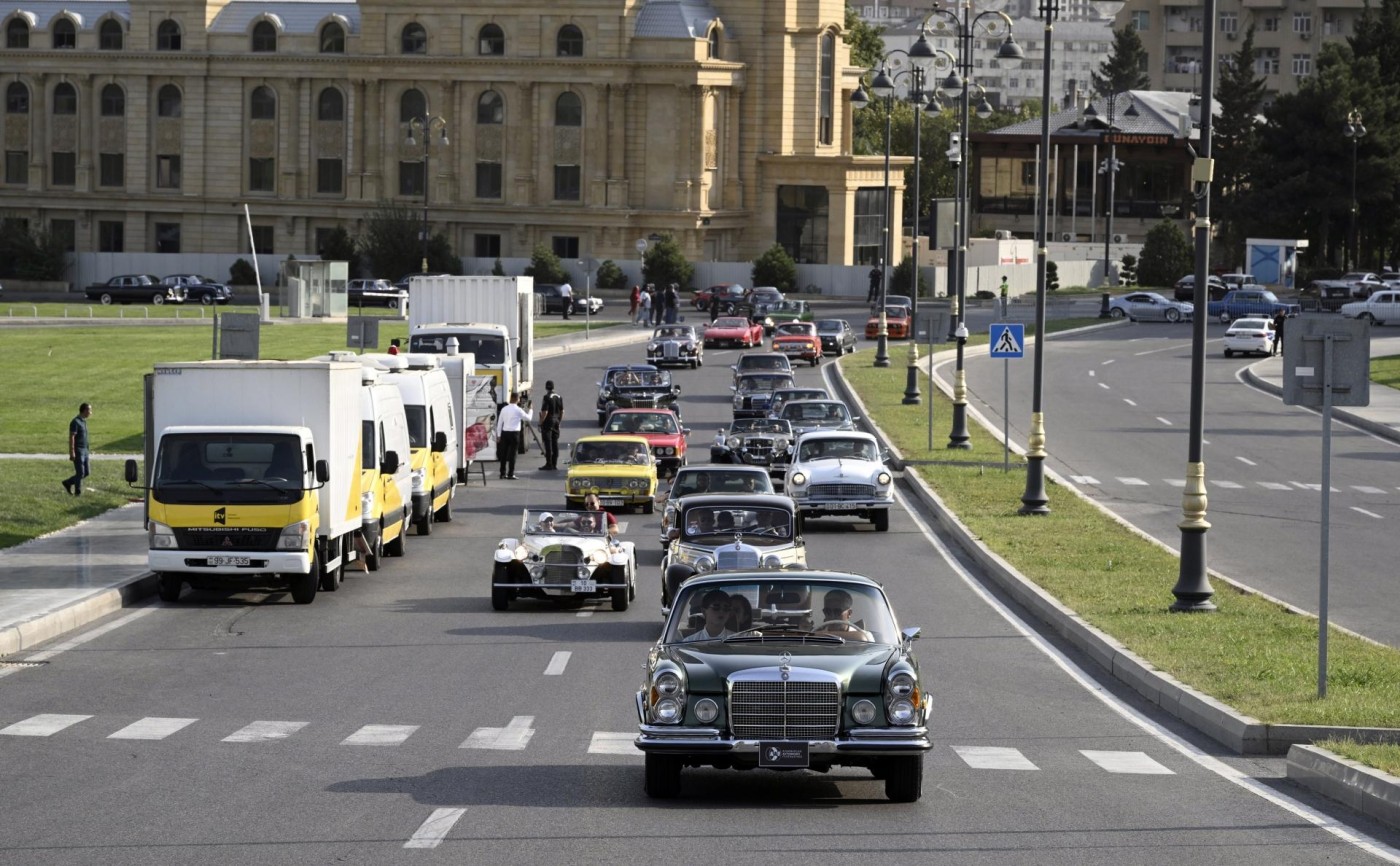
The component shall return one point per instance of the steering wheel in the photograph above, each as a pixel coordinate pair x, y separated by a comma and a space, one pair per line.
838, 625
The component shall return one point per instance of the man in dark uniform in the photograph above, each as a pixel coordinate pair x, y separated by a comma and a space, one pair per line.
714, 305
78, 450
551, 418
875, 278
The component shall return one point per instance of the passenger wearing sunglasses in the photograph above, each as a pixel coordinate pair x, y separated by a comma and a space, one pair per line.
836, 616
716, 607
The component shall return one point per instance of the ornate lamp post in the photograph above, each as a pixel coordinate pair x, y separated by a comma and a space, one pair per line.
425, 125
1354, 131
1110, 171
958, 85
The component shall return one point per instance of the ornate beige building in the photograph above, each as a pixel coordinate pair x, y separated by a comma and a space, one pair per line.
146, 125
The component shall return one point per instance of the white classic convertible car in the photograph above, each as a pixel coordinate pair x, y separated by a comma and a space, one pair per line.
566, 557
841, 473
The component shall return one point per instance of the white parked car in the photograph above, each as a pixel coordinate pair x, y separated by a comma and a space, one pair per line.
841, 473
566, 557
1247, 336
1379, 308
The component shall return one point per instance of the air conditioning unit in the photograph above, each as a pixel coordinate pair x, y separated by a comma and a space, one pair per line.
1003, 235
1066, 236
1120, 239
1232, 36
1305, 35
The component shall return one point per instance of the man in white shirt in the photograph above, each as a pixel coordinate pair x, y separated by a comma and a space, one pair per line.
509, 427
566, 292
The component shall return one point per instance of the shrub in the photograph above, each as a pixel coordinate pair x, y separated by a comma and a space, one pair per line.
903, 279
498, 269
610, 276
1052, 276
545, 267
1166, 255
663, 263
241, 273
775, 268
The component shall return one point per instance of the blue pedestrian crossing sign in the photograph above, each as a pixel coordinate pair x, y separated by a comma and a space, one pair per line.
1008, 340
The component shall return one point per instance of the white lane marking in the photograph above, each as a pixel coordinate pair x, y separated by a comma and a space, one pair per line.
1362, 488
1245, 460
1367, 513
151, 728
1175, 482
1133, 482
513, 737
1164, 421
1084, 479
1129, 402
1228, 485
1105, 386
432, 831
1106, 363
612, 743
1315, 488
98, 632
42, 725
261, 732
557, 664
1162, 735
1126, 762
584, 613
994, 758
1273, 485
380, 735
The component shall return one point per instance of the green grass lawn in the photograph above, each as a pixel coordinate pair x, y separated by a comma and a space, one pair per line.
1252, 654
1386, 371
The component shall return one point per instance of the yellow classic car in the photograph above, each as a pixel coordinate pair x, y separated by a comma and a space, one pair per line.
620, 469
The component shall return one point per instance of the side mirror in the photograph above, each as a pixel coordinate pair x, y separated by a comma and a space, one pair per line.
685, 431
673, 533
440, 441
734, 367
733, 387
390, 464
131, 473
323, 472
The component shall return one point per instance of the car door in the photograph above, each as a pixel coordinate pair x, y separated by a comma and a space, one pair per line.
1387, 306
1143, 306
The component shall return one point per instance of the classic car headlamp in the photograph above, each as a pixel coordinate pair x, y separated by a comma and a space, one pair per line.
537, 572
902, 699
583, 572
653, 347
863, 712
772, 560
704, 563
732, 442
780, 444
799, 478
706, 710
738, 401
883, 478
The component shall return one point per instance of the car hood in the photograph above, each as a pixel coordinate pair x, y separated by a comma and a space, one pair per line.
611, 470
708, 664
840, 470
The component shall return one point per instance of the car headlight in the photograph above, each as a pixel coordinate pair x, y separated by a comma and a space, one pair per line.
704, 563
295, 537
706, 710
418, 476
902, 699
652, 347
160, 537
575, 484
738, 401
537, 572
799, 479
772, 560
668, 698
863, 712
883, 478
366, 505
780, 444
583, 572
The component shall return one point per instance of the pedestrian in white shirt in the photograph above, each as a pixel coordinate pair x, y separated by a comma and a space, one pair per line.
566, 292
644, 307
509, 427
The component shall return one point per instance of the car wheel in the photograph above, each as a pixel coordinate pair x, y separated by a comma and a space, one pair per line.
207, 300
158, 299
648, 507
1173, 315
392, 303
304, 585
904, 778
1116, 313
425, 525
881, 519
1367, 317
1224, 318
106, 299
444, 514
376, 551
500, 598
663, 778
168, 587
1229, 353
620, 598
815, 360
396, 547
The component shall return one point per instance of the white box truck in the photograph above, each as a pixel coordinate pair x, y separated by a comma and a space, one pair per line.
492, 318
256, 475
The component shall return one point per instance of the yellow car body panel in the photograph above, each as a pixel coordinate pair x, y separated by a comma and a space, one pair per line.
617, 484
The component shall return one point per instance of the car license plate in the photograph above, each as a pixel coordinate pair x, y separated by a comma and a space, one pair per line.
842, 506
228, 560
611, 500
782, 754
583, 585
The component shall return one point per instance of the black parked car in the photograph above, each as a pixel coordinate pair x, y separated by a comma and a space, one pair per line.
1185, 288
200, 288
374, 293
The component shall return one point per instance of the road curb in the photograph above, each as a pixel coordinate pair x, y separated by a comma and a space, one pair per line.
1364, 789
1370, 426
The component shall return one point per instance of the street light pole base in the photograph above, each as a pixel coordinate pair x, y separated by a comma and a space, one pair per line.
1035, 501
1193, 591
958, 438
911, 388
882, 355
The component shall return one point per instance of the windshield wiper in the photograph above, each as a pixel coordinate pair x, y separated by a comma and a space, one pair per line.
211, 488
265, 484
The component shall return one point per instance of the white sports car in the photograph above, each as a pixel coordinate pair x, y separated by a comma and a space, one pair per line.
566, 557
841, 473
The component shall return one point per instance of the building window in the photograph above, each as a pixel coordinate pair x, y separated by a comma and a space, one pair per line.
169, 103
568, 110
66, 233
330, 176
17, 99
567, 183
569, 42
168, 36
63, 168
491, 41
827, 90
488, 180
111, 236
487, 246
330, 105
565, 247
1302, 65
712, 44
262, 104
803, 212
110, 36
490, 109
262, 174
1302, 22
1267, 63
1140, 20
168, 171
65, 99
414, 39
1229, 22
111, 169
868, 244
1270, 24
262, 239
411, 178
17, 167
65, 35
167, 237
332, 39
113, 101
264, 37
17, 33
412, 105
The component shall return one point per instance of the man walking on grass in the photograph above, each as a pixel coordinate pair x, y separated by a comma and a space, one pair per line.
78, 450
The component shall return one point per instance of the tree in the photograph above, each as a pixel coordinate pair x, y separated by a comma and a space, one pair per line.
1127, 274
498, 269
902, 279
1166, 255
392, 244
663, 263
1052, 276
1123, 69
610, 276
545, 266
1234, 144
338, 246
241, 273
866, 45
775, 268
31, 255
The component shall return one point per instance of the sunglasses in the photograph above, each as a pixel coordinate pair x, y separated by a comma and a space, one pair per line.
721, 607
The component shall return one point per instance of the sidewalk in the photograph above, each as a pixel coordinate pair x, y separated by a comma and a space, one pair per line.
1381, 417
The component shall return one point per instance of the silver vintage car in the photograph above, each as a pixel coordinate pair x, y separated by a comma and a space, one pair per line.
721, 531
566, 557
676, 344
841, 473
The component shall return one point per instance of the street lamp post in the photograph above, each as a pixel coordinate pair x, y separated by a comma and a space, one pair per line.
958, 85
1354, 131
425, 125
1109, 170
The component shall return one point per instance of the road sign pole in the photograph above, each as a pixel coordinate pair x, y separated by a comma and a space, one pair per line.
1005, 414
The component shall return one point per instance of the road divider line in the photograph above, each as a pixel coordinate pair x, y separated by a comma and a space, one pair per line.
613, 743
1367, 513
265, 731
1165, 421
432, 831
557, 664
514, 737
1130, 402
42, 725
1138, 763
1245, 460
380, 735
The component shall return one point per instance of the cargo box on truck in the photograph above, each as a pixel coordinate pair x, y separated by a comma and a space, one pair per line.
491, 318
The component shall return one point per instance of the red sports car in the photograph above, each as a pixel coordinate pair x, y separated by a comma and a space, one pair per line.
734, 330
798, 340
660, 427
897, 323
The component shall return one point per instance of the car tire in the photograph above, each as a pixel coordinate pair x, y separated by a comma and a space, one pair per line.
904, 779
1173, 315
620, 598
105, 299
1367, 317
1224, 318
331, 579
500, 598
158, 299
168, 587
1116, 313
1229, 353
881, 519
444, 514
376, 551
663, 777
425, 525
396, 547
304, 585
206, 299
392, 303
648, 507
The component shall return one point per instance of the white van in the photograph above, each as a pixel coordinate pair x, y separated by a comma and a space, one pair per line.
432, 431
386, 486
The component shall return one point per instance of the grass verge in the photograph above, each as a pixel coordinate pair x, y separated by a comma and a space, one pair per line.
1386, 371
1252, 654
33, 501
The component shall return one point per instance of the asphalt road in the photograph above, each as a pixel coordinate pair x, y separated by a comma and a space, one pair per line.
1116, 406
401, 720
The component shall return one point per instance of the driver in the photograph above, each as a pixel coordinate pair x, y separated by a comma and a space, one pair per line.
546, 524
836, 617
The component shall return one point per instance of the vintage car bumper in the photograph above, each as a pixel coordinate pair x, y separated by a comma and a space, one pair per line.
612, 499
823, 505
673, 354
805, 351
701, 742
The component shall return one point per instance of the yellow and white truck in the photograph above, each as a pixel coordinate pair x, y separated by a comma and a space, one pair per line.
386, 478
492, 318
256, 474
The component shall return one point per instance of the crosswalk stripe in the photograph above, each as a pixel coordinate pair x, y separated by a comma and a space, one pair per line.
1126, 762
1133, 482
1245, 460
513, 737
380, 735
42, 725
432, 831
1175, 482
1361, 488
1367, 513
151, 728
1228, 485
1274, 485
1084, 479
557, 664
259, 732
612, 743
994, 758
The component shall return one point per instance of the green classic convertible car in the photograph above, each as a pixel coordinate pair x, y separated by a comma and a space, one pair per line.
783, 670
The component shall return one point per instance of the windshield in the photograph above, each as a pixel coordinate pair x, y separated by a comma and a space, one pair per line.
829, 325
781, 609
632, 453
896, 311
794, 329
838, 449
759, 425
640, 378
671, 334
235, 468
577, 523
488, 348
749, 384
765, 362
759, 525
720, 481
809, 412
730, 322
642, 423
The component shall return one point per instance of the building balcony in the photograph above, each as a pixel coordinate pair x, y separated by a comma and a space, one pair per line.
1263, 4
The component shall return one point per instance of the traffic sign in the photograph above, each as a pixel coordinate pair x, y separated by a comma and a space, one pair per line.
1008, 340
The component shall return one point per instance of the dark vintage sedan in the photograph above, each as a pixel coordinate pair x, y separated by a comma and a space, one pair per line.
838, 337
636, 386
783, 670
135, 289
200, 288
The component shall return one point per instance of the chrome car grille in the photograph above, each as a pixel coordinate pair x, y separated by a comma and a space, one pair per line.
759, 449
842, 491
728, 557
671, 350
560, 565
785, 710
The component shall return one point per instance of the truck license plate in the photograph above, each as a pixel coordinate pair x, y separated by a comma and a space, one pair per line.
583, 585
228, 560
